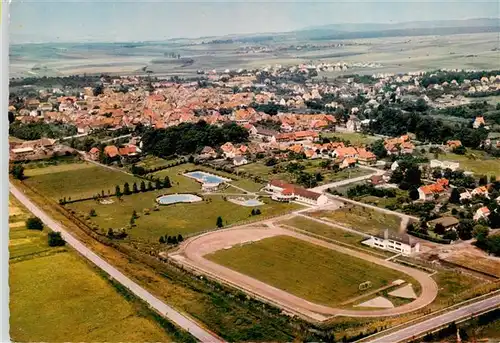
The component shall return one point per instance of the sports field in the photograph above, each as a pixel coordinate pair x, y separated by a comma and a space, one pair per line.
360, 218
304, 269
77, 181
55, 296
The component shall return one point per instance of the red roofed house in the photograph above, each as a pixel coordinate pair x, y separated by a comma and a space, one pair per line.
94, 154
482, 213
478, 122
282, 191
111, 151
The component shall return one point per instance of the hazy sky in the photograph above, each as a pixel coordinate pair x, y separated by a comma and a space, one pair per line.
124, 20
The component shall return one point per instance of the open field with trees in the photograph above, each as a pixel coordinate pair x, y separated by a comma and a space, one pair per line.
355, 138
81, 180
474, 161
360, 218
306, 270
78, 303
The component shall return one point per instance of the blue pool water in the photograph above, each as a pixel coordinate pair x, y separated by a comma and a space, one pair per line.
175, 198
205, 177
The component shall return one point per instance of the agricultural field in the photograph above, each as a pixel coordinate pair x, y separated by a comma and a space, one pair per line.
79, 180
476, 262
360, 218
312, 166
294, 265
75, 303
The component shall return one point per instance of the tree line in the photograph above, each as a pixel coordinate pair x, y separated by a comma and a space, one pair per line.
189, 138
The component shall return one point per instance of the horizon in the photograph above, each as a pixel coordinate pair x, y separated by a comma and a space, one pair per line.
158, 21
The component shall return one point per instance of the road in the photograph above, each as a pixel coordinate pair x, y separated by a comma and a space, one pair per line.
321, 189
437, 322
181, 320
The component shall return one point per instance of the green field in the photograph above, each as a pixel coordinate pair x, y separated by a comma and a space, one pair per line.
361, 218
474, 161
173, 219
151, 162
311, 166
55, 296
354, 137
78, 180
306, 270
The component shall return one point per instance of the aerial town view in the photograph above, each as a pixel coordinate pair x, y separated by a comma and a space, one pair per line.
254, 172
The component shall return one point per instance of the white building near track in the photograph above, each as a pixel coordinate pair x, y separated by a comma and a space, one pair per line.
401, 244
282, 191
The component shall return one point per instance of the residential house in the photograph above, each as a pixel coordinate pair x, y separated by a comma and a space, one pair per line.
427, 192
398, 243
448, 223
445, 165
478, 122
451, 145
482, 213
228, 150
366, 157
353, 124
481, 191
111, 151
208, 152
94, 154
239, 161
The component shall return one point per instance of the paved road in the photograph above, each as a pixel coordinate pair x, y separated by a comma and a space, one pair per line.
323, 188
436, 322
184, 322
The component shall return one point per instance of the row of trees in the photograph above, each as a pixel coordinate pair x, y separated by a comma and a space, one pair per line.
54, 239
142, 187
174, 240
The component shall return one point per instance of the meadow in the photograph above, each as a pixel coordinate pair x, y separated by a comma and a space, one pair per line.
355, 138
76, 181
56, 296
360, 218
473, 161
311, 272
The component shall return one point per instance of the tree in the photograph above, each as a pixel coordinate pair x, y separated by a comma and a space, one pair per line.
439, 229
143, 186
17, 171
480, 232
11, 117
465, 229
180, 238
257, 211
166, 182
55, 239
483, 180
150, 186
162, 240
397, 176
158, 184
378, 148
134, 188
460, 150
169, 240
118, 192
455, 196
34, 223
134, 214
132, 221
219, 222
98, 90
126, 189
92, 213
437, 173
413, 193
174, 240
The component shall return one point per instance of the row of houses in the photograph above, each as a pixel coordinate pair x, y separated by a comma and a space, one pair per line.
286, 192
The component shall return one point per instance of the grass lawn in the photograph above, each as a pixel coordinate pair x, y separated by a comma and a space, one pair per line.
311, 166
150, 162
55, 296
474, 161
173, 219
78, 180
294, 265
383, 202
354, 137
361, 218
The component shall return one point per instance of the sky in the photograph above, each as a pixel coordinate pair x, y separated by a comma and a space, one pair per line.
39, 21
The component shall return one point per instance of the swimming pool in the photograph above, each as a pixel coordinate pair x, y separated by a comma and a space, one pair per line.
252, 202
206, 177
176, 198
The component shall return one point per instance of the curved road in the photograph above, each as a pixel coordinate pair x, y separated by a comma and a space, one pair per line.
431, 324
182, 321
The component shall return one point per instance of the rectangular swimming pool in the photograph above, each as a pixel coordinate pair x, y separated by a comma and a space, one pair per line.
204, 177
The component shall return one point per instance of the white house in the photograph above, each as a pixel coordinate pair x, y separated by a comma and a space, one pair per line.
282, 191
445, 165
403, 244
482, 213
239, 160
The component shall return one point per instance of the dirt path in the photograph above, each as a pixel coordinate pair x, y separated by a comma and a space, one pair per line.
192, 254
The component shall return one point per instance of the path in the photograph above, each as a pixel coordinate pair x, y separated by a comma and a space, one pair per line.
179, 319
322, 188
431, 324
192, 252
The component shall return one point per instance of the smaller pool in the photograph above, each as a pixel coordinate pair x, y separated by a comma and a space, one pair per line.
253, 202
206, 177
176, 198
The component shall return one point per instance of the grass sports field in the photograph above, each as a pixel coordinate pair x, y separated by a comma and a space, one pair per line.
360, 218
55, 296
306, 270
77, 180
